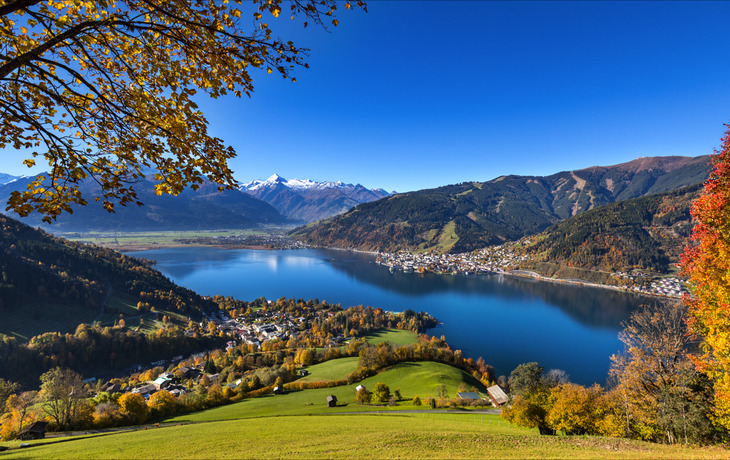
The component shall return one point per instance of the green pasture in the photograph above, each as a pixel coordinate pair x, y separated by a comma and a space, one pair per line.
161, 238
421, 379
394, 336
334, 369
421, 435
448, 237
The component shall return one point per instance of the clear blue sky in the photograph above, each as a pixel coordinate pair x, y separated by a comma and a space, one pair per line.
415, 95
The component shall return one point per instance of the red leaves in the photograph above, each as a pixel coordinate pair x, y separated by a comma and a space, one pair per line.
708, 264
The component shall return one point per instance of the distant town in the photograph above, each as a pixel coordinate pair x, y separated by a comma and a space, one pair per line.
501, 259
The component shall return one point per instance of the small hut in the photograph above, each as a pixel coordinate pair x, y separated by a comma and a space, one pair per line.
332, 401
358, 388
36, 430
497, 395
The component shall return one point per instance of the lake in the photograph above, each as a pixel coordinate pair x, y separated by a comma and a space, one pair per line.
504, 319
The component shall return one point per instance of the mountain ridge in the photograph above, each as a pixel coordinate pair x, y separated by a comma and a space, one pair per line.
467, 216
202, 209
306, 200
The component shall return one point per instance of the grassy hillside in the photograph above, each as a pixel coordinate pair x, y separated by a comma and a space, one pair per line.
421, 379
423, 435
394, 336
335, 369
468, 216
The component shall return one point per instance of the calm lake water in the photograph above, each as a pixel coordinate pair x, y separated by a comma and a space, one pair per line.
505, 320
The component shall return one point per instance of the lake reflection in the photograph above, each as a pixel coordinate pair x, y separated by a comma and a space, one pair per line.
504, 319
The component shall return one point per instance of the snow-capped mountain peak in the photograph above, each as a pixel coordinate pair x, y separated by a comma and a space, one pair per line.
294, 184
308, 200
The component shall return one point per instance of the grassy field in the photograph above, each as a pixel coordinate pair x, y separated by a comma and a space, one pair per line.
394, 336
448, 238
154, 238
300, 425
422, 435
421, 379
334, 369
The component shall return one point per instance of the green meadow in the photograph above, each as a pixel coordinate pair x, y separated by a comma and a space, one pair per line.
335, 369
155, 238
421, 379
394, 336
421, 435
298, 424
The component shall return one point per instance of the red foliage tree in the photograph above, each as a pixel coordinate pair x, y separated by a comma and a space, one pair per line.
707, 263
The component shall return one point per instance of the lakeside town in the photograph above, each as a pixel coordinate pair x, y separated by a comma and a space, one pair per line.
502, 260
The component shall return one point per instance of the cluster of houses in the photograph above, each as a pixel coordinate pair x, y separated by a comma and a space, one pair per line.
167, 381
501, 259
494, 259
668, 287
270, 326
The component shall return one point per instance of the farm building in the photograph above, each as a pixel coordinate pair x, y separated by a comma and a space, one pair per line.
36, 430
332, 401
497, 395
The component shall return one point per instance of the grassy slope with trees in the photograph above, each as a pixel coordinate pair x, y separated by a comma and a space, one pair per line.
467, 216
49, 285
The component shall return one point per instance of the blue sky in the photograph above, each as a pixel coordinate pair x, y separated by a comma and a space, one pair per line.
415, 95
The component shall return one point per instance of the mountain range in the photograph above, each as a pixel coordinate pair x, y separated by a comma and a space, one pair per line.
203, 209
5, 178
471, 215
307, 200
274, 202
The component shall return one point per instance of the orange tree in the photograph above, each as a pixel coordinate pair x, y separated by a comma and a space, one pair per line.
104, 89
133, 407
162, 403
707, 264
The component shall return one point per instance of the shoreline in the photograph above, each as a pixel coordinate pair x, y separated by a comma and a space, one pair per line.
539, 277
522, 274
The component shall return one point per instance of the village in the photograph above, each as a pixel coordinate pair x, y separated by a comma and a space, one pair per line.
501, 259
267, 326
494, 259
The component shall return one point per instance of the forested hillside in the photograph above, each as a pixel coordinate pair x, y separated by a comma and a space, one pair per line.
38, 267
642, 233
464, 217
53, 278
